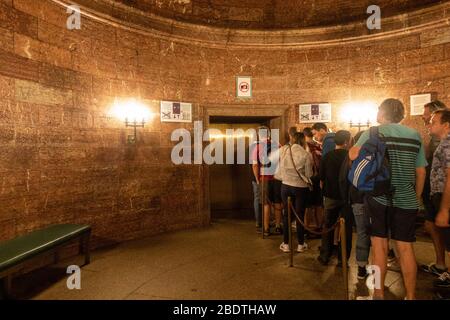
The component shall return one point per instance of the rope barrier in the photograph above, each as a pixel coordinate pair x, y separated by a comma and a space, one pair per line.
321, 233
343, 240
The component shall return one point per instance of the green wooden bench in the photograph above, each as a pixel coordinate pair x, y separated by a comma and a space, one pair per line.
16, 252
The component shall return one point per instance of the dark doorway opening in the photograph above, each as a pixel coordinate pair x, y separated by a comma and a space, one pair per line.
231, 192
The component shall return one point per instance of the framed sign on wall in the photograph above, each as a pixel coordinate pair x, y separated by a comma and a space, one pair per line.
244, 87
418, 101
176, 111
319, 112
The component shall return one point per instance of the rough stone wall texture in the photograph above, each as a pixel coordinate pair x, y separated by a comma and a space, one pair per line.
266, 14
63, 159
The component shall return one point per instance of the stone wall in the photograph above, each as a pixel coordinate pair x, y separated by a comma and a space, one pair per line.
267, 14
64, 159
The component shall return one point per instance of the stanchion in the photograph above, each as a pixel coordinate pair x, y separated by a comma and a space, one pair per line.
340, 222
344, 255
291, 247
263, 201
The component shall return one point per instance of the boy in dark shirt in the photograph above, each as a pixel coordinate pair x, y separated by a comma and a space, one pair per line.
329, 179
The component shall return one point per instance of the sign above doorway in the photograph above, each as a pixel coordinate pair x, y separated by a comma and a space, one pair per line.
244, 87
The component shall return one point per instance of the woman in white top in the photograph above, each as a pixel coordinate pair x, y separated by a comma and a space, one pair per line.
295, 170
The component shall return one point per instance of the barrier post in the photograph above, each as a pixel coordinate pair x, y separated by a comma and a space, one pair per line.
291, 247
344, 255
263, 203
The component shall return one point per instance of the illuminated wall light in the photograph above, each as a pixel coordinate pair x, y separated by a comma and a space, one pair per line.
133, 113
360, 114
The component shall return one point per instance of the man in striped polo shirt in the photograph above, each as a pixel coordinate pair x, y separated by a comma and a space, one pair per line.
395, 216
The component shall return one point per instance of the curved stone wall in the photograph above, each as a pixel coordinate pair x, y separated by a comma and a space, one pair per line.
64, 159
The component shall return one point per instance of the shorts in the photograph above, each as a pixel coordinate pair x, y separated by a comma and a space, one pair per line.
271, 191
390, 222
315, 198
432, 207
435, 205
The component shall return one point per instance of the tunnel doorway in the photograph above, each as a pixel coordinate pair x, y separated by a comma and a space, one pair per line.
230, 185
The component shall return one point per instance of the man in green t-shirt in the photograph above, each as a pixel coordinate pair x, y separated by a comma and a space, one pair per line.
395, 217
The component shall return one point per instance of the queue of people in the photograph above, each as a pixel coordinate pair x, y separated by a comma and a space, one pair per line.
313, 170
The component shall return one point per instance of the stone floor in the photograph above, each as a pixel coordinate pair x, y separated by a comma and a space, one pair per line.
225, 261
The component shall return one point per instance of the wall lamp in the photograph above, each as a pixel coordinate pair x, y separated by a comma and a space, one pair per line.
360, 114
133, 113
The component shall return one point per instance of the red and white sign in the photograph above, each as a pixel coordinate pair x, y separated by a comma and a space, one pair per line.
244, 87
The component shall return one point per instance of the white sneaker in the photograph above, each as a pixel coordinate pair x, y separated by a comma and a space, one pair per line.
360, 298
285, 248
302, 248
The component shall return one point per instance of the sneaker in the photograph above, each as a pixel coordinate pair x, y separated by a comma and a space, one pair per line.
431, 268
285, 248
391, 256
278, 230
362, 273
441, 296
394, 266
443, 281
361, 298
258, 230
302, 248
267, 233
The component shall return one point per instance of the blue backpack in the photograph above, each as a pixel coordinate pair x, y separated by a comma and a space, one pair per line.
370, 172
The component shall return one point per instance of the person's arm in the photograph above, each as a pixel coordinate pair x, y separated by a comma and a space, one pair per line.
322, 171
309, 170
421, 164
443, 216
420, 182
353, 153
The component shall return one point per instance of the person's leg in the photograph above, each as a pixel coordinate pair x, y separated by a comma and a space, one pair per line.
380, 249
443, 282
300, 208
438, 243
277, 203
268, 199
278, 215
378, 231
257, 203
318, 216
435, 232
403, 231
347, 213
331, 216
408, 265
363, 239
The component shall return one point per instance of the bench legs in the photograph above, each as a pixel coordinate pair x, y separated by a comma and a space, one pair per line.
84, 248
7, 281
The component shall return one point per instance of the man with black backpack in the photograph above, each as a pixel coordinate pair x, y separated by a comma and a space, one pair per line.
393, 211
333, 202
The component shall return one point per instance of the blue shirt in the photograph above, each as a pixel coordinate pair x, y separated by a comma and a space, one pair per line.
328, 144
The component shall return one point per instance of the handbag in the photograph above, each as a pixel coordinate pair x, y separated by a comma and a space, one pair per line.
302, 176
